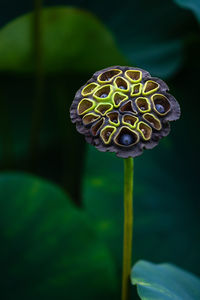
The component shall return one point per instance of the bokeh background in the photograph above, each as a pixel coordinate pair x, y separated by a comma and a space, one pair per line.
61, 201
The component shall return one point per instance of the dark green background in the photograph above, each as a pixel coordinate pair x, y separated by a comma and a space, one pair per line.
82, 232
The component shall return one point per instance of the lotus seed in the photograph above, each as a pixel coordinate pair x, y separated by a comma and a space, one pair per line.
126, 139
160, 108
103, 95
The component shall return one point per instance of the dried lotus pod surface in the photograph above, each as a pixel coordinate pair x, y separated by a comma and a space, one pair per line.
124, 110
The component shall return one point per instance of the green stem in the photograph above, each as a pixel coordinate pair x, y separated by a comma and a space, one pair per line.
6, 141
128, 226
39, 79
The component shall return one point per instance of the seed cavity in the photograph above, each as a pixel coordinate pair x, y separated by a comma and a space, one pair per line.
89, 89
136, 89
161, 104
126, 137
121, 83
107, 76
90, 118
85, 105
113, 118
107, 133
134, 75
103, 108
130, 120
153, 121
150, 87
143, 104
145, 130
128, 107
118, 98
103, 92
96, 127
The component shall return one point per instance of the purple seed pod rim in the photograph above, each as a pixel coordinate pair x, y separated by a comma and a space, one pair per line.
136, 149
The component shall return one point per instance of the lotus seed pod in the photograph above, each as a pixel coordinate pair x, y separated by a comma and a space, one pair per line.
124, 110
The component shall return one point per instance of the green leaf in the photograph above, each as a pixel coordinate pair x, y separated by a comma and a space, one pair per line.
164, 281
151, 34
48, 247
73, 40
193, 5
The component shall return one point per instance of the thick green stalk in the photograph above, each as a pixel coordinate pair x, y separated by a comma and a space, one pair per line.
128, 226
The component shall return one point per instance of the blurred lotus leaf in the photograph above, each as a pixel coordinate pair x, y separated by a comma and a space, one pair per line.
193, 5
48, 247
164, 281
72, 40
151, 35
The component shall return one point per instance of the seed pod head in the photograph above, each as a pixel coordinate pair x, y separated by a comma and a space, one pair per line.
124, 110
